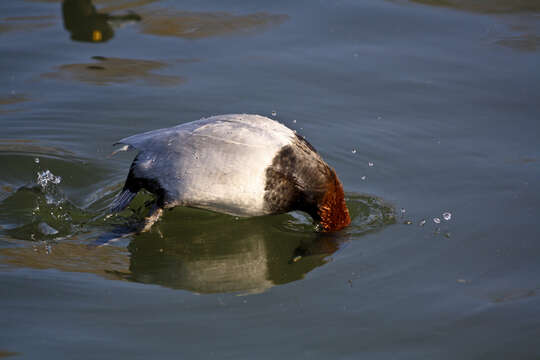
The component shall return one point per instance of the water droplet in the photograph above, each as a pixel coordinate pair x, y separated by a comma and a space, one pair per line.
46, 177
447, 216
364, 177
36, 160
274, 113
422, 222
370, 164
353, 151
436, 220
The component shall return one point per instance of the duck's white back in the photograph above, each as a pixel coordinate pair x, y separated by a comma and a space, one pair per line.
218, 163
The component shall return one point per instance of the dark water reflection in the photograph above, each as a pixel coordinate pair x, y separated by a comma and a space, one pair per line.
242, 258
216, 254
85, 23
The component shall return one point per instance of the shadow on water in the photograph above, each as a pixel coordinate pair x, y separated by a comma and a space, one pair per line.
191, 249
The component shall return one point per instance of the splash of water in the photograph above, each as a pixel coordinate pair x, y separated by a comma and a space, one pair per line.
447, 216
46, 177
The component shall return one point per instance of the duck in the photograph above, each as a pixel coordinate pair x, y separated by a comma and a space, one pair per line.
238, 164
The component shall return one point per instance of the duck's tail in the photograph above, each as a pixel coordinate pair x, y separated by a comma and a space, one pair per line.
122, 200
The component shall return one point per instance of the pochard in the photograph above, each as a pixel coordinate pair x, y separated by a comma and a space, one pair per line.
238, 164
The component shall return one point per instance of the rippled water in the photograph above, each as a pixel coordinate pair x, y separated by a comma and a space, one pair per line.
428, 111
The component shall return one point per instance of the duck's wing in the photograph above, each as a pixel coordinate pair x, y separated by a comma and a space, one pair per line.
242, 129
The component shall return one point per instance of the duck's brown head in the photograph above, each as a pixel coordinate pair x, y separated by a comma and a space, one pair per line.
331, 208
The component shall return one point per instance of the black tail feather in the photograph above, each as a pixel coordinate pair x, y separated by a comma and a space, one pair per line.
122, 200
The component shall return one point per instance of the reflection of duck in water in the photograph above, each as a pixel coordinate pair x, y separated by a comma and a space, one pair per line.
86, 24
243, 165
244, 258
202, 254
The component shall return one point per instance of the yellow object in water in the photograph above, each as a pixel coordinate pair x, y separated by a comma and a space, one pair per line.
96, 35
